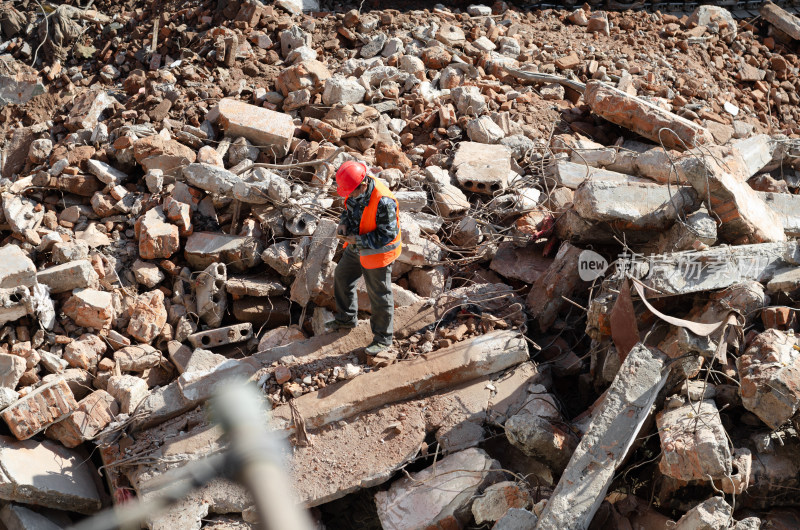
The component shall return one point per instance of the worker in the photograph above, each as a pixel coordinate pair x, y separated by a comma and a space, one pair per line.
370, 229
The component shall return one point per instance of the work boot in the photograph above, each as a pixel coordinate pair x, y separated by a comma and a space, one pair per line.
337, 325
376, 347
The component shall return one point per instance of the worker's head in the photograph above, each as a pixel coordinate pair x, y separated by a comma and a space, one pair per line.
350, 179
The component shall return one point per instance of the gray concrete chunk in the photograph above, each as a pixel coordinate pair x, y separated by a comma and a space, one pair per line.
77, 274
47, 474
16, 517
17, 268
438, 492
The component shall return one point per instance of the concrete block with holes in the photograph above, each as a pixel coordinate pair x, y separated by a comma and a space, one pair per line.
482, 168
209, 292
222, 336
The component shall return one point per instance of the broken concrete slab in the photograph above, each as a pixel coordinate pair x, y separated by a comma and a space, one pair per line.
48, 404
172, 445
614, 427
743, 216
47, 474
416, 250
784, 281
696, 229
7, 397
16, 517
449, 200
482, 168
644, 118
756, 151
137, 358
459, 415
281, 336
147, 274
407, 321
747, 297
266, 128
198, 386
160, 405
428, 282
239, 253
462, 362
787, 207
781, 19
411, 201
437, 493
715, 268
20, 87
210, 296
201, 360
15, 304
77, 274
382, 449
770, 377
694, 445
187, 513
629, 205
105, 173
221, 336
572, 175
583, 151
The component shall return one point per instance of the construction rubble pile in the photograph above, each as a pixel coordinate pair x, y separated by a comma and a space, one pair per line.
594, 306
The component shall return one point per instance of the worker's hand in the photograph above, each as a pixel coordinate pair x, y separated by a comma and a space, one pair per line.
350, 240
341, 230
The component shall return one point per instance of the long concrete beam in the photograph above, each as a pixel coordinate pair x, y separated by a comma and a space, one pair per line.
602, 449
445, 368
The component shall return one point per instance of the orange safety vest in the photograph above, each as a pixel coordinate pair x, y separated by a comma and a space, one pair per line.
375, 258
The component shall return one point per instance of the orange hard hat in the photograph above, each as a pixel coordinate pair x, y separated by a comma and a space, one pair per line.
349, 176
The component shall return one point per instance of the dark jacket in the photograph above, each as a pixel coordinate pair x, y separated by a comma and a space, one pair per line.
386, 221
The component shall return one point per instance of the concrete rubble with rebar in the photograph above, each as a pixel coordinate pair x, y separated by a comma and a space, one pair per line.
595, 321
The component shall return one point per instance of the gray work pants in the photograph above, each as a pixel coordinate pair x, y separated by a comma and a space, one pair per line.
379, 289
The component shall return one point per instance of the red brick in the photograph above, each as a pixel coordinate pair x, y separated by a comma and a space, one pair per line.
93, 414
38, 410
782, 317
568, 62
